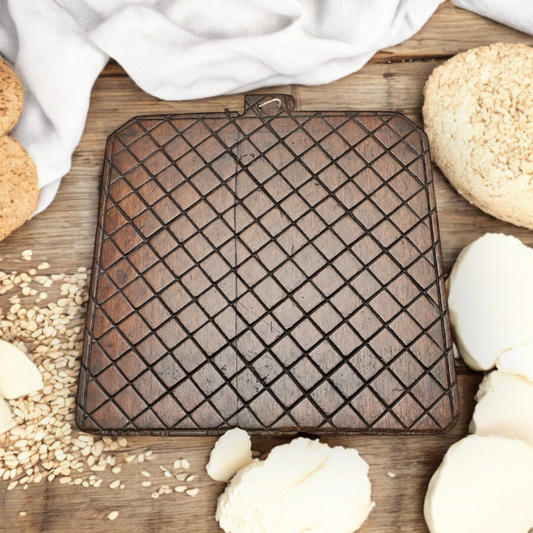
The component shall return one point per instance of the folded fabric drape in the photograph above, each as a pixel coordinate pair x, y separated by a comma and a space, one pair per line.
178, 50
517, 14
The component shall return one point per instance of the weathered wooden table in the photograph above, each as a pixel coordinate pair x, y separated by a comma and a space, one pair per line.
63, 236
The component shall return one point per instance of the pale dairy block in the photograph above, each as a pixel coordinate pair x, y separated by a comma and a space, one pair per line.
505, 407
232, 451
18, 375
6, 422
491, 299
517, 361
483, 485
303, 486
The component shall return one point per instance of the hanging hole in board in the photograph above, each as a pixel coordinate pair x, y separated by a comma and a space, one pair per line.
272, 100
272, 106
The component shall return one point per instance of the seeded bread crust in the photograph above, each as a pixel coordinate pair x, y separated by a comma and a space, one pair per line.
19, 187
11, 98
478, 115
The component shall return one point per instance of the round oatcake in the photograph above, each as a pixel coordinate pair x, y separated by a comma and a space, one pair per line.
478, 115
11, 98
19, 187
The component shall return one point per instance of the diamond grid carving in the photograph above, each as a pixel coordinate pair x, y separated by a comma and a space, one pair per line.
268, 271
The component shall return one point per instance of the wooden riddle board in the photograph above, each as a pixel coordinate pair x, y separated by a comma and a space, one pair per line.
277, 271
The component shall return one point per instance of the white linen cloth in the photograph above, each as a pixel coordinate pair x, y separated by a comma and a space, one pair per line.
178, 50
517, 14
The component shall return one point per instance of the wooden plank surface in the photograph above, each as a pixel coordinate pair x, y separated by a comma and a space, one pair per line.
64, 235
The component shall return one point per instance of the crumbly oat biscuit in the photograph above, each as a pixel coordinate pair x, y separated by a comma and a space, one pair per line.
19, 188
478, 115
11, 98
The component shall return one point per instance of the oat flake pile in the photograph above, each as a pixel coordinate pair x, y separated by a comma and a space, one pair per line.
45, 320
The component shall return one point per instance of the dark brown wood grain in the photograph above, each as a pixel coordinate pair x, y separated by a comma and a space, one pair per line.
276, 270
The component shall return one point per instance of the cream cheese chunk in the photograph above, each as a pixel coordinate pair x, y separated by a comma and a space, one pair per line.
6, 422
303, 486
505, 407
18, 375
484, 485
491, 299
232, 451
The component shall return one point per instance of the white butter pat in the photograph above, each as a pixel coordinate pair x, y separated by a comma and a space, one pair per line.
491, 299
232, 452
484, 485
517, 361
504, 408
6, 422
303, 486
18, 375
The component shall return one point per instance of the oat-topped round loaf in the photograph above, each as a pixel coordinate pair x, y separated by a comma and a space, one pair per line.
11, 98
478, 115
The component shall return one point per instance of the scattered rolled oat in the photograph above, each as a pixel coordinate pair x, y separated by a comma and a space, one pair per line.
391, 474
22, 513
192, 492
45, 444
113, 515
165, 489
